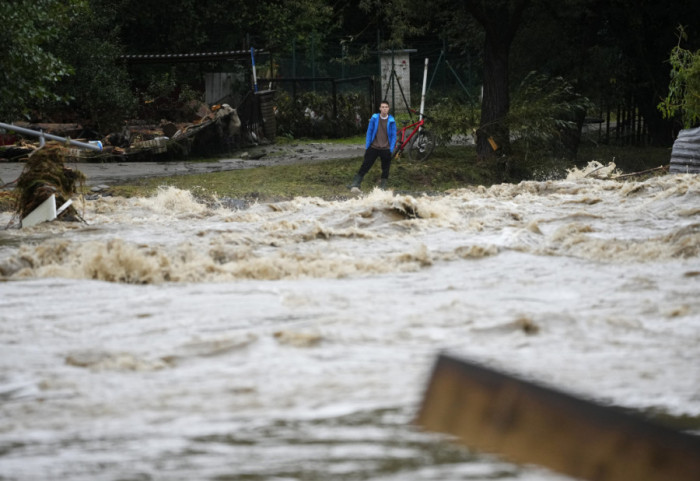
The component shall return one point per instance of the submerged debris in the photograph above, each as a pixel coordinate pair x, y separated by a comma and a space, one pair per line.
209, 130
44, 175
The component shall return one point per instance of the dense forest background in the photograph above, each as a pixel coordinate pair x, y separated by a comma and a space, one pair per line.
500, 68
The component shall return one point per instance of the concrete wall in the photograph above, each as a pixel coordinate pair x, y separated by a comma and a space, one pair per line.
391, 91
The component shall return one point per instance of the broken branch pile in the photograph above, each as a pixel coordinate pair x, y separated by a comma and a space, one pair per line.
44, 175
214, 130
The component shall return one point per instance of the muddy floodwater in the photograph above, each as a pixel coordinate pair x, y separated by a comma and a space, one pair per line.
166, 339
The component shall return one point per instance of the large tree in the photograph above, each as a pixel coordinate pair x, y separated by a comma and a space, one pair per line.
500, 20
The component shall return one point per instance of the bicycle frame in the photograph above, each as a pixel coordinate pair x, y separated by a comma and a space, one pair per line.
402, 140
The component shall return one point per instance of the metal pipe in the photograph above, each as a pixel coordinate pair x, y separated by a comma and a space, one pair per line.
42, 136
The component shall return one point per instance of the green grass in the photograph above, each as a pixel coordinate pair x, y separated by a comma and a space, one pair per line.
448, 168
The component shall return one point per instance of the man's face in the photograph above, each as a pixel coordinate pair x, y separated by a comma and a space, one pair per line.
384, 109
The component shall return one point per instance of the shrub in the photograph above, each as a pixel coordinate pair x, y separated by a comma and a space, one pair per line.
684, 88
451, 119
546, 115
310, 115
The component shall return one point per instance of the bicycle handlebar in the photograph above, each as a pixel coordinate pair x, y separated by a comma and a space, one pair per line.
419, 113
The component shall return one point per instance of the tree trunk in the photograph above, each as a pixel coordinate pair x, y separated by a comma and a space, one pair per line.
496, 100
500, 20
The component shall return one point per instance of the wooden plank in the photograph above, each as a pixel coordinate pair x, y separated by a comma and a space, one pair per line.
529, 423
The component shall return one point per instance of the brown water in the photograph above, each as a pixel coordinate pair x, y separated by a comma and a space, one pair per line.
166, 339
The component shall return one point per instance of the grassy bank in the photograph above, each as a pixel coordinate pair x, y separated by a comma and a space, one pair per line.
326, 179
448, 168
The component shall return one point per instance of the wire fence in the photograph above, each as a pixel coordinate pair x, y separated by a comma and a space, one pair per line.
334, 96
331, 95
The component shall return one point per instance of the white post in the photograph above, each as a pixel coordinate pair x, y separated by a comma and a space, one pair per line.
255, 76
422, 98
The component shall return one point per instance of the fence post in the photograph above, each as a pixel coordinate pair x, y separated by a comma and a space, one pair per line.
334, 93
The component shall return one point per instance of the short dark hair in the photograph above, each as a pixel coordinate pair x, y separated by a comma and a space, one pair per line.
385, 102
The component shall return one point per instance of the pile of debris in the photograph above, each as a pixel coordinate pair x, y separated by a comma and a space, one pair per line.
214, 130
45, 184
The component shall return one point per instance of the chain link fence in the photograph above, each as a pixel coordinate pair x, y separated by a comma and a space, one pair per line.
333, 95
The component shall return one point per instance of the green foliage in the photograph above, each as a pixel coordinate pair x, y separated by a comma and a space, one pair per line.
449, 119
543, 110
165, 26
400, 17
100, 92
309, 115
29, 70
304, 115
295, 21
59, 54
188, 26
684, 88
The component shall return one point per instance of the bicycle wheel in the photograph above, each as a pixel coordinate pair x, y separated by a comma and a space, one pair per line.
422, 145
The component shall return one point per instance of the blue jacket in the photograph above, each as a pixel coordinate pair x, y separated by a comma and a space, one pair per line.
390, 130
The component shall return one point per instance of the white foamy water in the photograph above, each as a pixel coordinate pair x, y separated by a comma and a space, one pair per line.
169, 340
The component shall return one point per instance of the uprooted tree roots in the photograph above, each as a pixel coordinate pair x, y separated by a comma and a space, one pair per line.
44, 174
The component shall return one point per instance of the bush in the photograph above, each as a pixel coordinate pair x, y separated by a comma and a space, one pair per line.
452, 119
684, 89
310, 115
546, 116
29, 70
99, 89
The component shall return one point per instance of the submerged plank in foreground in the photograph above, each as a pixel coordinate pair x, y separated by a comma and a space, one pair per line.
528, 423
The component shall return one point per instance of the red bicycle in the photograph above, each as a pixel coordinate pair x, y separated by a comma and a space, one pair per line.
420, 141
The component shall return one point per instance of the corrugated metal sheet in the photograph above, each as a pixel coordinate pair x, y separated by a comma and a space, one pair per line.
685, 155
217, 85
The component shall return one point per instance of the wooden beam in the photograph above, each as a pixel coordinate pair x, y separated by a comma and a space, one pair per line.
528, 423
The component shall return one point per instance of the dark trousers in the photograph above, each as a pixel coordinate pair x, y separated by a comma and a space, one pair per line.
371, 155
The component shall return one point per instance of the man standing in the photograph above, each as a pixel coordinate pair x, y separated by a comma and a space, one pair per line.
380, 142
